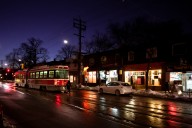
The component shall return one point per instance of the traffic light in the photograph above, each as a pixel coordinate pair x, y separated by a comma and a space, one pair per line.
22, 66
8, 70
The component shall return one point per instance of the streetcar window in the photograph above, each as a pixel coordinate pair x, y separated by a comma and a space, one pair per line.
62, 74
57, 74
41, 74
22, 76
37, 74
66, 74
51, 74
33, 75
45, 74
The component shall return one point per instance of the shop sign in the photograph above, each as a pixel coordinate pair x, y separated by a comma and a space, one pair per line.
103, 59
184, 67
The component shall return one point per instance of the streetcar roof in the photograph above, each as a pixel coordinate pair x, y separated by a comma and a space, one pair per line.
47, 67
44, 67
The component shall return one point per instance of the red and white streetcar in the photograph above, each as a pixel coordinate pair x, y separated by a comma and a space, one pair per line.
20, 78
50, 78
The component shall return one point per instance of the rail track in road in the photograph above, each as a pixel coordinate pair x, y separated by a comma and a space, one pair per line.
129, 111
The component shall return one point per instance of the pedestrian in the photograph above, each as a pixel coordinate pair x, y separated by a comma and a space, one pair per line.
166, 87
68, 85
85, 81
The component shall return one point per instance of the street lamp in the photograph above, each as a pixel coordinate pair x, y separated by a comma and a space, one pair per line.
5, 64
65, 41
21, 64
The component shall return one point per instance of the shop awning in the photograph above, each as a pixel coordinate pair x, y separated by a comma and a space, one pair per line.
137, 67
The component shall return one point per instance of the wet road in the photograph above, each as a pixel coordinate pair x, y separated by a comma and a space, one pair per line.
33, 108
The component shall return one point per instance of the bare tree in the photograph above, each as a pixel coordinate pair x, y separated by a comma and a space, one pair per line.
32, 52
144, 32
13, 59
88, 47
99, 43
119, 34
66, 52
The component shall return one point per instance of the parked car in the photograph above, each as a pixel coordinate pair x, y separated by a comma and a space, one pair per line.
115, 87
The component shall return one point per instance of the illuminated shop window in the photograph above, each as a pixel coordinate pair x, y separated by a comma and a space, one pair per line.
175, 76
71, 78
91, 77
135, 77
154, 77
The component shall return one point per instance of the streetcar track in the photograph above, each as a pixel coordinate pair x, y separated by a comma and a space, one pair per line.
128, 107
154, 114
146, 113
100, 114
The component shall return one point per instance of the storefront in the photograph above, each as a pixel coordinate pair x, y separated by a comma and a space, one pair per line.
155, 77
188, 78
108, 76
136, 75
181, 79
181, 76
91, 77
72, 78
103, 76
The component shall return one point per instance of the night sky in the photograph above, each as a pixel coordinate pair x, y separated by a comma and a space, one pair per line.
52, 20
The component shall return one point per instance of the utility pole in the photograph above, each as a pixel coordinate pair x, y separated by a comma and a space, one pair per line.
80, 25
150, 53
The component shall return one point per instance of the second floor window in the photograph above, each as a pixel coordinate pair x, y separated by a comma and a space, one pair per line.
179, 49
151, 53
131, 56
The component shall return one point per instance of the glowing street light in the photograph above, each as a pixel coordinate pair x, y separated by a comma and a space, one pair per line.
65, 41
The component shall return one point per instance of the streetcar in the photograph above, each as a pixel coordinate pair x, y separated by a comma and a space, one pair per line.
46, 77
20, 78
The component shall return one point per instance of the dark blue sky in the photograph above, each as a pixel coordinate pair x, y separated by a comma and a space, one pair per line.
52, 20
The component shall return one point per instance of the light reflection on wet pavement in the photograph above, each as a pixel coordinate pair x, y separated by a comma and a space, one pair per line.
130, 111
